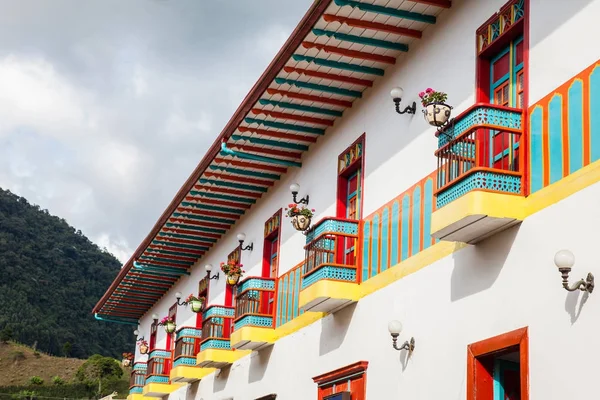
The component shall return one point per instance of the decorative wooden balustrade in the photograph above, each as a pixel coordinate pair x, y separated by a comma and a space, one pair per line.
288, 292
187, 345
137, 378
480, 151
330, 275
158, 367
254, 307
216, 331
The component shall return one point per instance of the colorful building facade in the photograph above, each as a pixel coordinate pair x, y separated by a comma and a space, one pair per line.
450, 230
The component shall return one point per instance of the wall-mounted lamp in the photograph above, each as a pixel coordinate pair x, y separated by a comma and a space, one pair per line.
241, 237
155, 318
139, 339
295, 188
178, 297
395, 327
565, 260
396, 94
208, 268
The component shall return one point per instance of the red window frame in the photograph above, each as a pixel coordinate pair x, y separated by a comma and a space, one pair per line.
153, 330
480, 382
351, 378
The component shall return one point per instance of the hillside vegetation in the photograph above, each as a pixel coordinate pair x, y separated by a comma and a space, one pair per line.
51, 276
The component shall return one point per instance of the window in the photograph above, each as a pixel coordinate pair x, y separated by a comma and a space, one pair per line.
153, 329
270, 267
347, 383
202, 292
498, 368
171, 336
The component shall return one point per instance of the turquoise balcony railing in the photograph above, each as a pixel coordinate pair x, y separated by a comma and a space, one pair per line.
254, 302
137, 378
480, 150
187, 345
217, 324
159, 366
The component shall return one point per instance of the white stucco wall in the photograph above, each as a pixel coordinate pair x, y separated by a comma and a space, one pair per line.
502, 284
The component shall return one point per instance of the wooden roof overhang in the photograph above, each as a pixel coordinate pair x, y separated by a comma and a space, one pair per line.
335, 53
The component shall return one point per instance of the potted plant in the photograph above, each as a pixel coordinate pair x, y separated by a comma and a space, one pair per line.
169, 323
301, 216
436, 111
127, 358
233, 270
143, 347
196, 303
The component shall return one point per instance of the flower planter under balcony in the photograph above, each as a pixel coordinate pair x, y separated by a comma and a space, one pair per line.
480, 174
157, 382
330, 276
215, 347
187, 346
253, 324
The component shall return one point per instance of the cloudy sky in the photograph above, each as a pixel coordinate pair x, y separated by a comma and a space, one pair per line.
106, 106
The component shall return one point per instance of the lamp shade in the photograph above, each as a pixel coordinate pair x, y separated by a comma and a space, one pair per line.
395, 327
154, 316
564, 259
294, 188
178, 295
396, 93
136, 332
241, 236
208, 267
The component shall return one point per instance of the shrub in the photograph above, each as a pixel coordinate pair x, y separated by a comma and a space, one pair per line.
36, 380
18, 356
57, 380
37, 354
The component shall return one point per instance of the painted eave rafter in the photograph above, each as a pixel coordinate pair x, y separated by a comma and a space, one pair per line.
334, 54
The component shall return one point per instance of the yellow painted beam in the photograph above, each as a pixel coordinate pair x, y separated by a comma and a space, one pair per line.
253, 334
189, 372
220, 355
327, 288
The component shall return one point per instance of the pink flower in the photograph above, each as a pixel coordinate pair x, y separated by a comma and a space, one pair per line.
421, 94
428, 90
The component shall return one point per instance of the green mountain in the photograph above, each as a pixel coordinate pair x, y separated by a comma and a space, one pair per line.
51, 276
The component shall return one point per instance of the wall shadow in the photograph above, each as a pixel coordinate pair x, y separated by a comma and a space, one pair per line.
259, 361
220, 380
477, 267
334, 328
574, 305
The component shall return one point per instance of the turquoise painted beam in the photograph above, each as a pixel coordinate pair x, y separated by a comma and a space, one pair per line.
160, 274
234, 185
171, 253
166, 260
392, 12
281, 125
190, 237
204, 217
144, 279
179, 245
339, 65
321, 88
212, 208
118, 320
275, 143
224, 196
384, 44
134, 292
225, 151
119, 298
142, 286
244, 172
194, 227
300, 107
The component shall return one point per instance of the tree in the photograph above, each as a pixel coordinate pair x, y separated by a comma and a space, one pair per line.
98, 368
67, 347
6, 334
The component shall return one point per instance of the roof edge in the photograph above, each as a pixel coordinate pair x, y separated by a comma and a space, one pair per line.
281, 58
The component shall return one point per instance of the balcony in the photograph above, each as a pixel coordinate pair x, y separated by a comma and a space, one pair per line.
137, 380
187, 345
480, 174
215, 347
330, 274
157, 374
253, 323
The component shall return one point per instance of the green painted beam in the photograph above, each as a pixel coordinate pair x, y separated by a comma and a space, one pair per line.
163, 274
150, 280
339, 65
168, 260
300, 107
234, 185
180, 245
201, 206
190, 237
183, 225
171, 253
140, 286
384, 44
131, 291
275, 143
248, 156
281, 125
118, 320
223, 197
321, 88
244, 172
204, 218
392, 12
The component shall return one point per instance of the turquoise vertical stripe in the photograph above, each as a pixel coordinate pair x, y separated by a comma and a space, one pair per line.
405, 226
428, 210
576, 126
536, 174
285, 299
394, 244
279, 301
366, 249
375, 247
595, 114
555, 137
416, 221
385, 238
296, 292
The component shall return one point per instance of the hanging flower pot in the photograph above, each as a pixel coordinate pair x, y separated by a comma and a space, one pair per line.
125, 363
233, 271
436, 111
170, 327
301, 216
143, 347
195, 303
